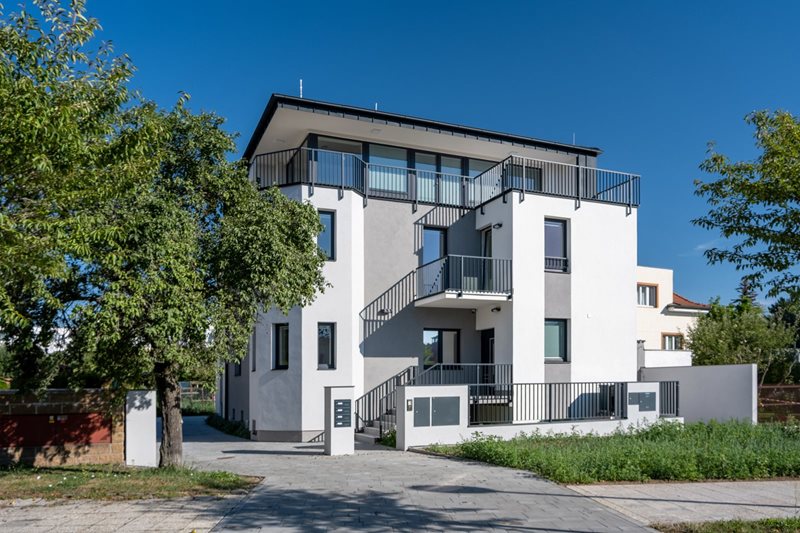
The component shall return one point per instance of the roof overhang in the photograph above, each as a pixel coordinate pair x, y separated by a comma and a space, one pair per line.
378, 118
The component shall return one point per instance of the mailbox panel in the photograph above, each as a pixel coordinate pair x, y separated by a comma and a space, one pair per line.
422, 412
341, 414
445, 411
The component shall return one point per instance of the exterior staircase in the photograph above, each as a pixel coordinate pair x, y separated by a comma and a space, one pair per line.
376, 411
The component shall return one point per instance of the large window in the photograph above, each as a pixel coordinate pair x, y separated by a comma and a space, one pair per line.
671, 341
327, 239
555, 245
555, 340
450, 180
326, 332
425, 164
647, 295
434, 244
281, 356
440, 346
387, 168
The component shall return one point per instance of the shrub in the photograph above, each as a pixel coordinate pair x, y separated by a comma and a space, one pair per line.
389, 438
231, 427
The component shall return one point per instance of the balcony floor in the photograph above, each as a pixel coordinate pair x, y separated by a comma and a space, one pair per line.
462, 300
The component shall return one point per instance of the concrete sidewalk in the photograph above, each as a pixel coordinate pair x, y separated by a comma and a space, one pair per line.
699, 502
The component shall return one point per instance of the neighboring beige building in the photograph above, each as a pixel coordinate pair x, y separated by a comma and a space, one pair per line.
663, 318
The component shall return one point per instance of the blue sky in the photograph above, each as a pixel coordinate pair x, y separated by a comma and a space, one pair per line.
648, 82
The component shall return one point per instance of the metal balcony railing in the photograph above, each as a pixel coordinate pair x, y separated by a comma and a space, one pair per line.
465, 374
546, 402
523, 174
464, 274
556, 264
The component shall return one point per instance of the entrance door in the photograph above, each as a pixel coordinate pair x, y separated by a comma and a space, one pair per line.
487, 346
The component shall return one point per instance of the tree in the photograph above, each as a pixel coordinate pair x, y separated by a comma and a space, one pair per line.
755, 204
201, 249
740, 333
128, 225
71, 138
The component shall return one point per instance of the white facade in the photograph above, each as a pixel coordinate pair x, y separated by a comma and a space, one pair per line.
373, 297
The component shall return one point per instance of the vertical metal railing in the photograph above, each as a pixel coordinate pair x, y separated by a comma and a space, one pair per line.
524, 174
546, 402
464, 273
668, 394
377, 402
465, 374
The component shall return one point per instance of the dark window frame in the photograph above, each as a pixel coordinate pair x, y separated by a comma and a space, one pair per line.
440, 347
276, 364
253, 352
565, 332
443, 232
564, 223
237, 369
332, 357
332, 256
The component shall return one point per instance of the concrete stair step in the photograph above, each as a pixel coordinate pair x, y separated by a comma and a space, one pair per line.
366, 438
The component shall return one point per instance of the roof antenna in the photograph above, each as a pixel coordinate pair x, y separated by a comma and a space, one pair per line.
301, 87
573, 133
376, 106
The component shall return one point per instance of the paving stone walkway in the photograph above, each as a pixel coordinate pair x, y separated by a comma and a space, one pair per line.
378, 489
699, 502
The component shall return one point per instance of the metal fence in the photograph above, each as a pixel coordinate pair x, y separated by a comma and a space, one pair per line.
546, 402
668, 399
464, 374
464, 273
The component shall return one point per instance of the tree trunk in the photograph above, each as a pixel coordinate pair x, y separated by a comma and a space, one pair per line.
169, 393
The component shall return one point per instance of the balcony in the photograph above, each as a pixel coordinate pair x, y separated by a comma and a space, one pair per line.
515, 173
462, 281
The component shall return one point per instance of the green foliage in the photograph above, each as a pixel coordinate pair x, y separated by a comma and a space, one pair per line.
741, 333
231, 427
767, 525
389, 438
191, 407
754, 205
665, 451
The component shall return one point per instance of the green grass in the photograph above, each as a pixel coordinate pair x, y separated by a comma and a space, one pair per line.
665, 451
734, 526
108, 482
231, 427
197, 407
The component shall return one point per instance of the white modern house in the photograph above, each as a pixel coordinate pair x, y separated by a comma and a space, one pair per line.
456, 257
663, 318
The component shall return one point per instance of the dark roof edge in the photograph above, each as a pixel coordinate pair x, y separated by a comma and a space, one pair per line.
277, 99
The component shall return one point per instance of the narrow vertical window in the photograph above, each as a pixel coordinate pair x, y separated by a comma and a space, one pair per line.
281, 358
326, 346
555, 245
434, 244
672, 341
253, 351
327, 238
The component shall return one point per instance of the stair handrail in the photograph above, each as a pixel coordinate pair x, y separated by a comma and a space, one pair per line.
368, 407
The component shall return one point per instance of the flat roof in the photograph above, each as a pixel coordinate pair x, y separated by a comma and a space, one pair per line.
360, 113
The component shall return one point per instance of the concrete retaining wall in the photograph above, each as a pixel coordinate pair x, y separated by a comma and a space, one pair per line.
717, 392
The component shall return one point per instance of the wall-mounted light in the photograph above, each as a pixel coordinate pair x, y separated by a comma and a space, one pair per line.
496, 309
384, 312
497, 226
